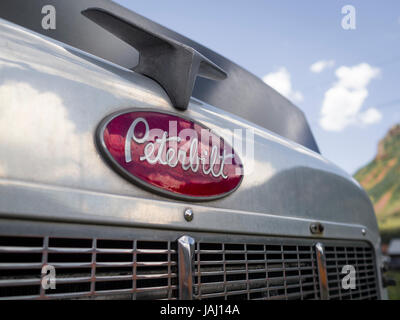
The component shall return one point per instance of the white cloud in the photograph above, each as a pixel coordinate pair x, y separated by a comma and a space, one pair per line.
343, 101
320, 65
371, 115
281, 82
356, 77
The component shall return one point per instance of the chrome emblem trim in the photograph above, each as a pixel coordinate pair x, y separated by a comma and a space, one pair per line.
146, 157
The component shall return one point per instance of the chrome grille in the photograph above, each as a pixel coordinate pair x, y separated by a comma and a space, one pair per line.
360, 256
255, 271
132, 263
98, 268
281, 269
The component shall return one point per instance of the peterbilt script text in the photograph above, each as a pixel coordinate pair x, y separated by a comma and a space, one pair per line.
156, 152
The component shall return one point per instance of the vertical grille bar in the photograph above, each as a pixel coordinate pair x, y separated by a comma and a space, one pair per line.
169, 271
186, 263
266, 270
314, 275
247, 273
44, 262
225, 281
134, 270
284, 271
322, 272
93, 270
299, 272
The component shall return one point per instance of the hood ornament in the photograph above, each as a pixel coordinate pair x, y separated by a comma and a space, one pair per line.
172, 64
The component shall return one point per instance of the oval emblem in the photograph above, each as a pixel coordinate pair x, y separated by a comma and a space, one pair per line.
169, 154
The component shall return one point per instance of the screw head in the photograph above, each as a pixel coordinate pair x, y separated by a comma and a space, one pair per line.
188, 214
316, 228
363, 231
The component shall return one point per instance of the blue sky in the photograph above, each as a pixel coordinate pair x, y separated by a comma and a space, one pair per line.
351, 103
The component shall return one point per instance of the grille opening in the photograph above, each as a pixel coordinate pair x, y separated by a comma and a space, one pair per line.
114, 257
236, 277
234, 247
259, 275
276, 282
258, 295
110, 272
20, 257
70, 243
8, 274
151, 270
152, 283
113, 285
255, 257
19, 291
152, 245
211, 257
210, 279
106, 296
237, 297
211, 299
275, 274
304, 255
274, 256
114, 244
156, 294
290, 256
233, 257
236, 267
69, 288
255, 247
212, 246
68, 257
72, 272
152, 257
274, 248
21, 241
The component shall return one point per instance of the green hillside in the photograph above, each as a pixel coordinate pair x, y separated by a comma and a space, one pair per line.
381, 179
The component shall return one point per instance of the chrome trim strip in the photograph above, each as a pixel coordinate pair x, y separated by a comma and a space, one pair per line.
132, 211
186, 267
322, 272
